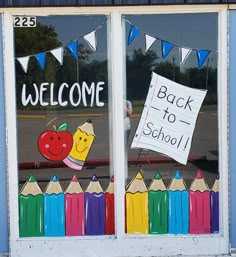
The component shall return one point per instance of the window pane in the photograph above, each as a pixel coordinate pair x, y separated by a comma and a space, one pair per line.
63, 126
174, 206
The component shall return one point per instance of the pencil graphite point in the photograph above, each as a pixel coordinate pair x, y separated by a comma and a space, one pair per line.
54, 178
74, 179
32, 179
112, 179
94, 178
139, 175
177, 175
199, 174
158, 176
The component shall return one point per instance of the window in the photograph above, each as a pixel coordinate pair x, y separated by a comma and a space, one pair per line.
99, 72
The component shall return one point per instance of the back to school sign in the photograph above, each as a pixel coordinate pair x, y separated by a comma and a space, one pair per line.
169, 118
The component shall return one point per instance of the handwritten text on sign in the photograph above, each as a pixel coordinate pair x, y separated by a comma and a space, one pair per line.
168, 119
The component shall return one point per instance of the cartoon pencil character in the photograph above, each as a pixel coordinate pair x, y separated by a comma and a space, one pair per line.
82, 142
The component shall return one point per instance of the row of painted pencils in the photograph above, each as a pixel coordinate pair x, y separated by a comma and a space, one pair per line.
69, 213
175, 210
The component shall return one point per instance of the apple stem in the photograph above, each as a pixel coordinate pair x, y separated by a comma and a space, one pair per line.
54, 127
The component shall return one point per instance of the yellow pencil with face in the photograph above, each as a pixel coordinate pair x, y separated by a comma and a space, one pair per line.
82, 142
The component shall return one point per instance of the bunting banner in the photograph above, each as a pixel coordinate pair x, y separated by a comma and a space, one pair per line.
91, 40
73, 47
166, 47
41, 59
184, 53
58, 52
149, 41
133, 33
24, 61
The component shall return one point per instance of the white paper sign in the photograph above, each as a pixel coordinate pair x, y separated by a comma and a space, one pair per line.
169, 118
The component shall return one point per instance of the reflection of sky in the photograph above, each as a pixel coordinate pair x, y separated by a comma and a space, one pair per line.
196, 31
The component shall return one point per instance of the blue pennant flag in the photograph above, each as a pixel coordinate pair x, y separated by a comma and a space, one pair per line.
73, 47
41, 59
166, 48
201, 57
133, 33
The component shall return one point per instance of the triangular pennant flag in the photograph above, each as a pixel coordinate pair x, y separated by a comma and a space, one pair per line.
91, 40
201, 57
58, 54
24, 61
184, 53
41, 58
133, 33
73, 47
166, 48
149, 41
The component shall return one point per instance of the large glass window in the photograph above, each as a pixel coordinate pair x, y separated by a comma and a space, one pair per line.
63, 127
155, 45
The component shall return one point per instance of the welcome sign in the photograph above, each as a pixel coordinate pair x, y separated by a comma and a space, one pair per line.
169, 118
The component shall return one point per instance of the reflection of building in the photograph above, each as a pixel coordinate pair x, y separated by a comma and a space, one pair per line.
212, 126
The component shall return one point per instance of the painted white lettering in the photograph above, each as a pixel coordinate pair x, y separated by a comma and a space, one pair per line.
75, 87
43, 88
60, 94
90, 91
29, 99
52, 102
98, 89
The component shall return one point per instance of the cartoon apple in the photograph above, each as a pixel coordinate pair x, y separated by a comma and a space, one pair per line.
55, 145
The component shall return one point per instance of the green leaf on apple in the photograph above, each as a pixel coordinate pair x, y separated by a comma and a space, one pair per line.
62, 127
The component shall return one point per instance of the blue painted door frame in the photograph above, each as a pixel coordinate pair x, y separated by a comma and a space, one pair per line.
3, 177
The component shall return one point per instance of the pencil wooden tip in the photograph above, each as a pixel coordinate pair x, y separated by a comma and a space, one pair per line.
112, 179
199, 174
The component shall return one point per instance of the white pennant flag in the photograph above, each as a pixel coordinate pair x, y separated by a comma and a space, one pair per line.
91, 40
149, 41
184, 53
58, 54
24, 61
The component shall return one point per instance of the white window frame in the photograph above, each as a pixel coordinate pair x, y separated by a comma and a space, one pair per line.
121, 245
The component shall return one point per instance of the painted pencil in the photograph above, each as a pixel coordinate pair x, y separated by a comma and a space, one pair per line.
158, 206
178, 215
137, 206
215, 207
31, 219
94, 208
54, 205
82, 142
110, 211
74, 209
199, 209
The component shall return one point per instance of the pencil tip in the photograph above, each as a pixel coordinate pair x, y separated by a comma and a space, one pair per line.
158, 176
32, 179
74, 179
139, 175
199, 174
55, 178
94, 178
112, 179
177, 175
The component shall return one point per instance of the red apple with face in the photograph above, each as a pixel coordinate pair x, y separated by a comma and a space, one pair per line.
55, 145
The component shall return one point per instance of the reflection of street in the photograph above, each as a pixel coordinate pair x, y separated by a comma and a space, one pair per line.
31, 124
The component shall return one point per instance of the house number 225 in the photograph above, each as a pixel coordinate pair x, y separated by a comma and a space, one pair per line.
24, 21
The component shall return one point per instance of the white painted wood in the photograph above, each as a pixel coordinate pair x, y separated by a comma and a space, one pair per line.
121, 245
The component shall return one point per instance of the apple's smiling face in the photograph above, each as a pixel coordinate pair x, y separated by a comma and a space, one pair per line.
55, 146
